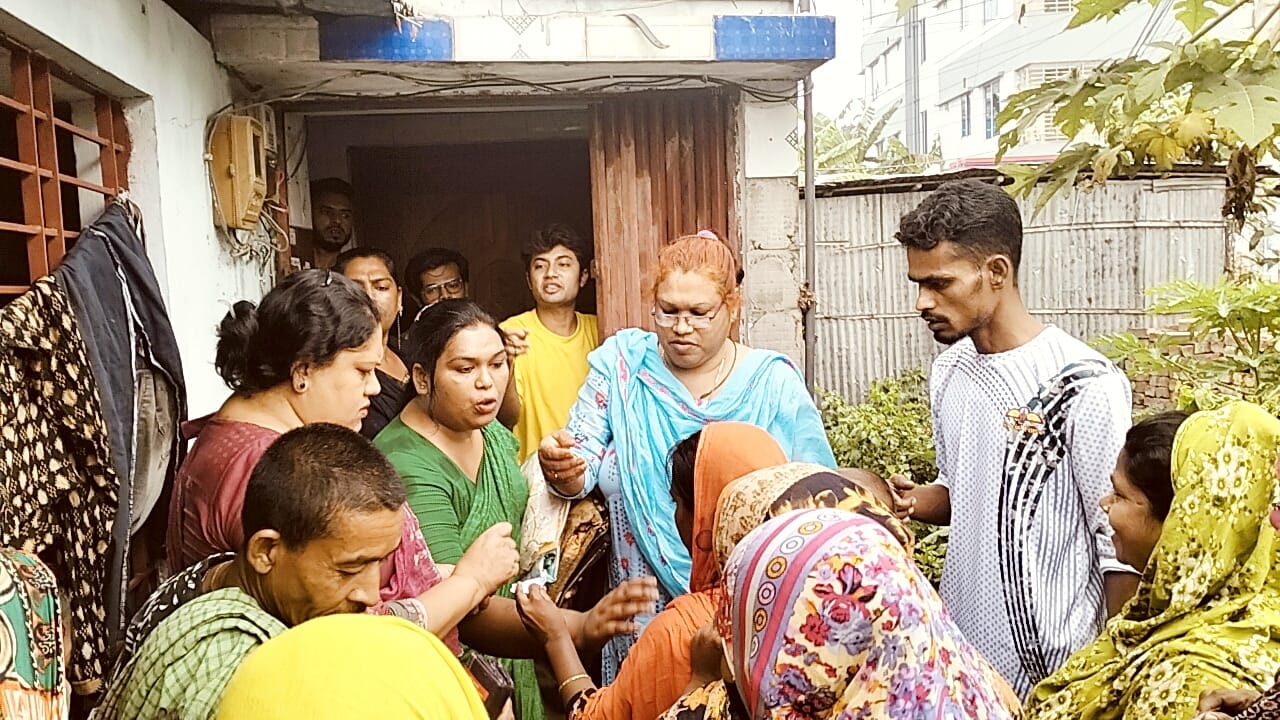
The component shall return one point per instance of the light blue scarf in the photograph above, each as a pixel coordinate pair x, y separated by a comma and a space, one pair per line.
650, 411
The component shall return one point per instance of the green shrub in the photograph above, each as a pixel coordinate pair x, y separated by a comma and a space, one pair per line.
891, 434
1238, 316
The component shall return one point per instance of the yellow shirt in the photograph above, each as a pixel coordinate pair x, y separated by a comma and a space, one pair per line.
549, 375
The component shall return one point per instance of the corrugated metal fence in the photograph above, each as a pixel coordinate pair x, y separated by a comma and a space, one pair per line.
1088, 260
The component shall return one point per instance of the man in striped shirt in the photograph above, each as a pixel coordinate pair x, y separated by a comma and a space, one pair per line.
1027, 424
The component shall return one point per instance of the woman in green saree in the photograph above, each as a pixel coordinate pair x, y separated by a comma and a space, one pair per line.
1207, 612
457, 461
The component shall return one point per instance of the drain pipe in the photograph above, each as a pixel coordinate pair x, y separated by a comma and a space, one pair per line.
808, 301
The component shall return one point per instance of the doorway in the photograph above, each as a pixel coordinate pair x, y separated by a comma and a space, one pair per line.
481, 200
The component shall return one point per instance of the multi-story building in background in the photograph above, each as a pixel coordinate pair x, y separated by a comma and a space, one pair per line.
949, 65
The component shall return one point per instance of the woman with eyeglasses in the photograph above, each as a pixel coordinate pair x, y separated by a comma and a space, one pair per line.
647, 391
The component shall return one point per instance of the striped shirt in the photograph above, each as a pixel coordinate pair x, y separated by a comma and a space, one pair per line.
1026, 442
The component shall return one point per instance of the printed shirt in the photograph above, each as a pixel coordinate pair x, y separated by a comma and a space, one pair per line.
1026, 442
549, 375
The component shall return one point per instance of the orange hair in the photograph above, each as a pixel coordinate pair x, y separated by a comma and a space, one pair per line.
704, 254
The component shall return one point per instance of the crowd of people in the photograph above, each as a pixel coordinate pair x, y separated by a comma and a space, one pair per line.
346, 533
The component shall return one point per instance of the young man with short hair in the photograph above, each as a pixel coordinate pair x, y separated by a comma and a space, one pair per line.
558, 337
1027, 424
332, 220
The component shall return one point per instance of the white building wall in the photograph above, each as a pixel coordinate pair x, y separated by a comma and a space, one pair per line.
971, 43
142, 51
772, 246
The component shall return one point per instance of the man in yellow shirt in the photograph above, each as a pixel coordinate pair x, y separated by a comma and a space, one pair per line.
558, 338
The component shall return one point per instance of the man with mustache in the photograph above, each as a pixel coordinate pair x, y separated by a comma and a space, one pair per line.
1027, 424
332, 220
554, 338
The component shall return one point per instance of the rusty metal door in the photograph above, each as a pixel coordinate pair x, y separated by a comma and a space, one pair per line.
662, 166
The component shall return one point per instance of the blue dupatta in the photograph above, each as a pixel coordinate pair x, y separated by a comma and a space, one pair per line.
649, 411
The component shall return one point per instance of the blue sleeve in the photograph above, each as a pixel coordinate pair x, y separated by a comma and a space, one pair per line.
590, 428
808, 436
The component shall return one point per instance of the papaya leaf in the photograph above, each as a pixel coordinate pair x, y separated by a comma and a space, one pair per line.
1193, 14
1090, 10
1024, 177
1250, 111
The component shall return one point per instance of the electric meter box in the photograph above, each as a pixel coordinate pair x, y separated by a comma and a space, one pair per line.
238, 164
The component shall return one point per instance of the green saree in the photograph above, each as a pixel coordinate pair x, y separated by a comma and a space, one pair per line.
453, 511
1207, 612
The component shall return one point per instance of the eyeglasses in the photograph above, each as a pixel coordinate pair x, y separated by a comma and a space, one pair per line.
697, 322
433, 292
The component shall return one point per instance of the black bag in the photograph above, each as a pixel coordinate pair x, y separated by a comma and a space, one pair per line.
492, 681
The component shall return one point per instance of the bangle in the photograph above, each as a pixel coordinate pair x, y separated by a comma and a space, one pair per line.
574, 678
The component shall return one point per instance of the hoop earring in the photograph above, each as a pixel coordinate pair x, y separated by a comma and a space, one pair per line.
300, 387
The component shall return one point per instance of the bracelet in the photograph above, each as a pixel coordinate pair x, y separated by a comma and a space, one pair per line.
572, 679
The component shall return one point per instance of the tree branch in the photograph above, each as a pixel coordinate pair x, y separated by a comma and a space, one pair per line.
1218, 20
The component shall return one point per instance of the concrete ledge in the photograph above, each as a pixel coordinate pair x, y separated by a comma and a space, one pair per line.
259, 38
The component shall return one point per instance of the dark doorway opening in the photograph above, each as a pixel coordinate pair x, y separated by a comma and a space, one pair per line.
482, 200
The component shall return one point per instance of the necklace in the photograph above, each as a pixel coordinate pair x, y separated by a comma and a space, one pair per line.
719, 380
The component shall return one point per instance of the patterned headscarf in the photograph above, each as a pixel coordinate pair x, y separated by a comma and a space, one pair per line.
829, 618
770, 492
33, 683
1207, 612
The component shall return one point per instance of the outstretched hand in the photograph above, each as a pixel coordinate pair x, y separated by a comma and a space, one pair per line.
615, 613
544, 621
560, 466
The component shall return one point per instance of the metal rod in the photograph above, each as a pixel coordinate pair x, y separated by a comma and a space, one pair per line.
810, 233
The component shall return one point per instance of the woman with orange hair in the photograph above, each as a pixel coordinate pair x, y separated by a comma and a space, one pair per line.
647, 391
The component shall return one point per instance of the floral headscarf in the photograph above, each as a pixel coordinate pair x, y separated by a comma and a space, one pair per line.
770, 492
829, 618
1207, 612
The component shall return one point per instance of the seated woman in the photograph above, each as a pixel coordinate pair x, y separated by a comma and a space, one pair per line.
702, 465
457, 461
828, 617
647, 391
375, 272
1207, 612
33, 683
351, 666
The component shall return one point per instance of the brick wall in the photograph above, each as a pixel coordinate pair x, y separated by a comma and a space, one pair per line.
1159, 391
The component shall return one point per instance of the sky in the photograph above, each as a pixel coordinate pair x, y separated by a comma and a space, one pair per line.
837, 82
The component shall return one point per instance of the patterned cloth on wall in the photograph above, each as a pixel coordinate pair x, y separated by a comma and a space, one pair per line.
33, 683
59, 489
